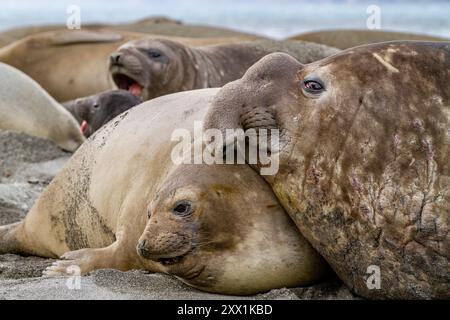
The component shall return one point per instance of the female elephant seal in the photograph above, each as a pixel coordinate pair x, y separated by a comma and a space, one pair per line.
94, 111
26, 107
364, 158
218, 228
151, 68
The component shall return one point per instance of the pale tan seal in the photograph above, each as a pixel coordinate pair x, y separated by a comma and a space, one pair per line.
70, 64
363, 158
151, 68
218, 228
344, 39
26, 107
153, 25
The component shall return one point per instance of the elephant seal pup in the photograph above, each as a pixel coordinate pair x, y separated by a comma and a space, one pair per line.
94, 111
70, 64
151, 68
344, 39
95, 212
26, 107
363, 158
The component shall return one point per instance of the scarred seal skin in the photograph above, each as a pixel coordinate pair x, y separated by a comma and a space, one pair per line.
150, 68
364, 149
121, 203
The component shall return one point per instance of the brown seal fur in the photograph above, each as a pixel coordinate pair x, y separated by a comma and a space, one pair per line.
155, 67
237, 239
344, 39
364, 167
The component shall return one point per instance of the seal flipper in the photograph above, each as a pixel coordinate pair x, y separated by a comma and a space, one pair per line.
8, 243
90, 259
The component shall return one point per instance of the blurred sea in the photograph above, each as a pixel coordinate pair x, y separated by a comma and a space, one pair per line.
267, 17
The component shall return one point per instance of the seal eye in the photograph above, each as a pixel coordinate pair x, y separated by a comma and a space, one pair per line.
96, 106
154, 54
182, 208
313, 86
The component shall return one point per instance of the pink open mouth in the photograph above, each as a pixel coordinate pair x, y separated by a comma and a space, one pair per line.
84, 126
124, 82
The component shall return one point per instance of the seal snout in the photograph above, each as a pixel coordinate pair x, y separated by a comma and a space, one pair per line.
167, 248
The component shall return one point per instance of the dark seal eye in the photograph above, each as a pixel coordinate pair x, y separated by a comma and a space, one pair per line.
182, 208
96, 106
154, 54
313, 86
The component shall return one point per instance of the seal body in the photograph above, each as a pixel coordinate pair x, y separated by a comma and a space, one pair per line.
26, 107
96, 212
94, 111
154, 67
364, 148
344, 39
70, 64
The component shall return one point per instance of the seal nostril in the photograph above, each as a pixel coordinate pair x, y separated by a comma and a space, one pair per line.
115, 58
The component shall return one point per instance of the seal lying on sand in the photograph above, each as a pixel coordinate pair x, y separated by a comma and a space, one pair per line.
218, 228
94, 111
151, 68
363, 158
152, 25
26, 107
70, 64
344, 39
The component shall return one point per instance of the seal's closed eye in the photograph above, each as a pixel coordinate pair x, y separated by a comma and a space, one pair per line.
183, 208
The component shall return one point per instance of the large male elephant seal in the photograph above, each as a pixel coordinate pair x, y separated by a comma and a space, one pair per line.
26, 107
364, 154
70, 64
344, 39
150, 67
218, 228
94, 111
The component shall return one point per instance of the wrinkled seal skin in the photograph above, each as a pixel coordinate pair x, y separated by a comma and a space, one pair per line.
100, 108
239, 240
344, 39
364, 169
160, 66
26, 107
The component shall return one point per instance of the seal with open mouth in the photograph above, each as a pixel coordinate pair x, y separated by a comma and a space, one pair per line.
216, 227
94, 111
149, 68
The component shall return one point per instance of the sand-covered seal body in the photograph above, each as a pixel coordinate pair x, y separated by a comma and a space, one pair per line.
364, 148
153, 67
121, 188
26, 107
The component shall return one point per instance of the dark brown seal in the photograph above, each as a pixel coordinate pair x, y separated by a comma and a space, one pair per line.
364, 158
94, 111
